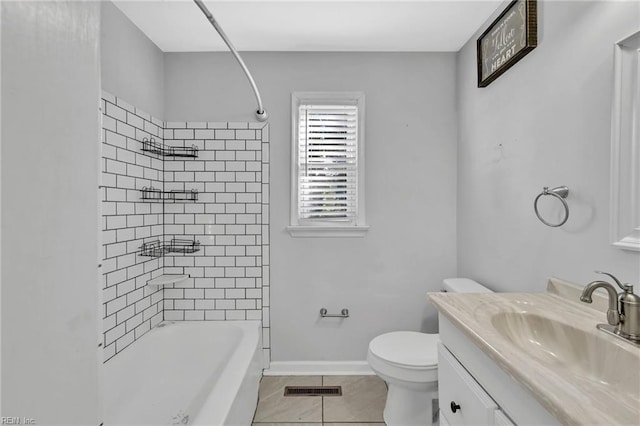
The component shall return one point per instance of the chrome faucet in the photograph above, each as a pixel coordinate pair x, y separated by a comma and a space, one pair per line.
624, 308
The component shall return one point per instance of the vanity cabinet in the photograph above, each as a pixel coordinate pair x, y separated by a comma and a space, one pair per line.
462, 400
474, 390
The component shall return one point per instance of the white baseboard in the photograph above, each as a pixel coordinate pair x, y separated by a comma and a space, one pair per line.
318, 368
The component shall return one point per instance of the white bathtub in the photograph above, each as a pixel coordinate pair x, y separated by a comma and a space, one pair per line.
186, 372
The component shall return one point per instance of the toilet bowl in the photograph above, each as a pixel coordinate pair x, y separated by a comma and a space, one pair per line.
408, 362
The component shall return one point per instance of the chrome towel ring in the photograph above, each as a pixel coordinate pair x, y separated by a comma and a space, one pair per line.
560, 193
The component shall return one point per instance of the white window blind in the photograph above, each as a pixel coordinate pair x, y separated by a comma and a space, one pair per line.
327, 163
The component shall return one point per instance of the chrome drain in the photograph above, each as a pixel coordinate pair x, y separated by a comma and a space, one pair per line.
313, 391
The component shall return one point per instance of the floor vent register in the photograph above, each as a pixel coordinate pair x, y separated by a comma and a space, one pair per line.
313, 391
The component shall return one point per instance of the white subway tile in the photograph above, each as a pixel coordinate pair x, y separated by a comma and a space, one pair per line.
115, 222
214, 315
247, 219
204, 283
125, 129
116, 167
225, 134
235, 208
183, 134
246, 283
143, 304
246, 261
225, 304
237, 229
246, 134
215, 145
205, 134
196, 166
116, 304
134, 220
194, 293
173, 315
253, 145
125, 287
135, 270
135, 171
246, 304
254, 315
142, 160
194, 315
235, 293
156, 319
214, 272
125, 314
194, 208
225, 282
183, 304
142, 329
135, 121
172, 293
205, 304
234, 145
236, 315
116, 112
214, 293
253, 293
125, 341
114, 334
150, 312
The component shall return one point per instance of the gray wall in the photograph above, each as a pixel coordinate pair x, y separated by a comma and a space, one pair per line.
50, 142
132, 66
551, 115
410, 189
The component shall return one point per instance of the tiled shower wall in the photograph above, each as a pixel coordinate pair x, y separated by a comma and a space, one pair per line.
130, 307
229, 276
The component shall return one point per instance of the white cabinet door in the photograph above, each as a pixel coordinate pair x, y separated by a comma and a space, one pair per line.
462, 399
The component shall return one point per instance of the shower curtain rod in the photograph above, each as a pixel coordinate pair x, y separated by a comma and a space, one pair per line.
261, 114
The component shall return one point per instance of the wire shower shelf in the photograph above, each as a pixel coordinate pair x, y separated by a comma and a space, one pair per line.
156, 248
150, 145
154, 194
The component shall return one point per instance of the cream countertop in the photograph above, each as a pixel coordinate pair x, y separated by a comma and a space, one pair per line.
557, 383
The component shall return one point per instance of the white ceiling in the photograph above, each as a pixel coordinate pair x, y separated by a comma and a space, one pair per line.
311, 25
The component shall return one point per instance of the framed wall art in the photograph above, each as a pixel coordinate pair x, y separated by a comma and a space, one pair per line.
507, 40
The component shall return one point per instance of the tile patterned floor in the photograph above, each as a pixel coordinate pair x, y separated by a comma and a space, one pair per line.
361, 403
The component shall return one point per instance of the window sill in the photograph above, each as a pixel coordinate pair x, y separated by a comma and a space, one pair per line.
297, 231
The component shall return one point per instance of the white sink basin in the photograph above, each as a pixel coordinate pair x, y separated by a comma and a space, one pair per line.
585, 354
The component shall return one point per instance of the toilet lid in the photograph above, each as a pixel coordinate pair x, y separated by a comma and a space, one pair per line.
407, 348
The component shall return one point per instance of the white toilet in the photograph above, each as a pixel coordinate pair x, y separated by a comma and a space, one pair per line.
408, 362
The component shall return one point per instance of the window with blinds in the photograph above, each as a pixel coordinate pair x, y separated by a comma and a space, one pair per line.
327, 162
327, 167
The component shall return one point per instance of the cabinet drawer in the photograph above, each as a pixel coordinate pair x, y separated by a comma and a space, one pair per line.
456, 387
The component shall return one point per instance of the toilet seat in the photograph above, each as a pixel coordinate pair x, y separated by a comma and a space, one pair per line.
407, 356
408, 349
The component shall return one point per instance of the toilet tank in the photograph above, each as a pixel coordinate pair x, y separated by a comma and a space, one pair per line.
463, 285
